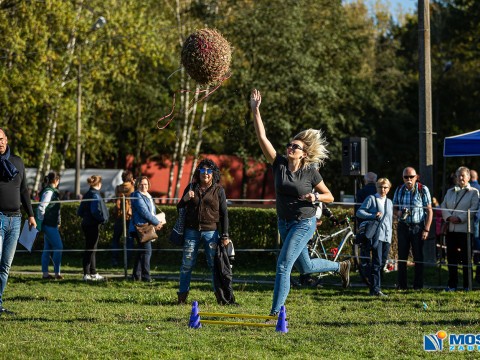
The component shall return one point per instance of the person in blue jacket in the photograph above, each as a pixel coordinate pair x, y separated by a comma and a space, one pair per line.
380, 208
143, 212
94, 213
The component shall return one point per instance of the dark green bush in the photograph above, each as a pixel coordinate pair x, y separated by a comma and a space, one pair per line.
250, 228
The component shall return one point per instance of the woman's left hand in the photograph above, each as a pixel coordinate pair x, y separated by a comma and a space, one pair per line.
310, 197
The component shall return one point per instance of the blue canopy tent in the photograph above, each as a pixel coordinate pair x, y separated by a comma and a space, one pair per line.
462, 145
467, 144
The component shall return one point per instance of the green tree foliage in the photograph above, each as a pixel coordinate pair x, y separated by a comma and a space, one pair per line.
319, 64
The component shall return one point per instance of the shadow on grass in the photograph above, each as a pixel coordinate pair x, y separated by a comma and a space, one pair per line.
389, 322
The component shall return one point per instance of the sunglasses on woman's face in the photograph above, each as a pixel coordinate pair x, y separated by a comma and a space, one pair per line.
294, 146
208, 171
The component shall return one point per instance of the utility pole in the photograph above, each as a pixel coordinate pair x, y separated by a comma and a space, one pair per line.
425, 95
78, 152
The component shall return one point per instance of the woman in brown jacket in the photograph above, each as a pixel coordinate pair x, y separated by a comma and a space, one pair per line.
206, 218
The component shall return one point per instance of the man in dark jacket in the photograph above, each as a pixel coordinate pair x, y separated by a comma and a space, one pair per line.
13, 193
370, 188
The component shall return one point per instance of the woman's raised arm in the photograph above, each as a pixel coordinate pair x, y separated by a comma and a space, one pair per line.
265, 144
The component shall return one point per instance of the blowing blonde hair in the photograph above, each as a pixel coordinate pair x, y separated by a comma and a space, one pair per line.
314, 146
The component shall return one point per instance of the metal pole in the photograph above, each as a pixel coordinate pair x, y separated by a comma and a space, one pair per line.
125, 258
79, 130
425, 94
469, 251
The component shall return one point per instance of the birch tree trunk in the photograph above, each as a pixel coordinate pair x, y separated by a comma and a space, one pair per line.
47, 150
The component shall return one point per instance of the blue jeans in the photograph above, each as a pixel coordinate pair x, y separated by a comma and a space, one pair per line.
295, 235
193, 239
141, 267
52, 246
373, 270
9, 233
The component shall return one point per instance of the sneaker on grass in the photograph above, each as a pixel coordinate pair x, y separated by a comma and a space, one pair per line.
4, 311
97, 277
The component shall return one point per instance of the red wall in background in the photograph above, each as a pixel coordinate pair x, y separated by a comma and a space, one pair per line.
259, 182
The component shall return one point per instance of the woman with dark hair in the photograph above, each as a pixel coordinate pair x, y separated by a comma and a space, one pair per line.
206, 209
143, 212
48, 215
94, 213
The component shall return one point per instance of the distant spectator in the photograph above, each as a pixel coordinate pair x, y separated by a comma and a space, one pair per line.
13, 194
49, 219
413, 207
94, 213
458, 200
476, 228
437, 224
375, 252
474, 180
67, 195
370, 188
143, 212
125, 189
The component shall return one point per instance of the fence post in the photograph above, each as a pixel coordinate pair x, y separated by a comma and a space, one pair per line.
125, 259
469, 251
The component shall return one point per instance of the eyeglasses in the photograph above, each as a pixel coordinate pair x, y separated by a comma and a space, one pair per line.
294, 147
409, 176
208, 171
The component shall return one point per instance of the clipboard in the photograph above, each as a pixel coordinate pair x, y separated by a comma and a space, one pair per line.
27, 236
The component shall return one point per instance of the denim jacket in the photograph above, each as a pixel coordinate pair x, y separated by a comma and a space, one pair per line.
368, 211
142, 211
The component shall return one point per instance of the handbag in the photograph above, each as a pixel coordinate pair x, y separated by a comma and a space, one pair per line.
146, 232
176, 236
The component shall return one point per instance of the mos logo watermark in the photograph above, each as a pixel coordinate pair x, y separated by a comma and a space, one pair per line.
456, 342
434, 342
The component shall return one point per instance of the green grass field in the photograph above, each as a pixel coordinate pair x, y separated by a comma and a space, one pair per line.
121, 319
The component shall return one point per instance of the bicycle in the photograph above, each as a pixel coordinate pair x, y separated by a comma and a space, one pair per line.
317, 249
316, 245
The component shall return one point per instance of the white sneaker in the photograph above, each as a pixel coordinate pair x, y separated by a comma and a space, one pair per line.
97, 277
87, 277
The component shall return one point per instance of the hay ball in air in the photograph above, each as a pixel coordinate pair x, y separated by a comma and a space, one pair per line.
206, 56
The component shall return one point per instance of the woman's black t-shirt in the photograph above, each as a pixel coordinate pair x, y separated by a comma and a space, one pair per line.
290, 186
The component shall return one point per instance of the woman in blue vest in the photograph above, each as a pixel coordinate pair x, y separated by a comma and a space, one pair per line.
48, 215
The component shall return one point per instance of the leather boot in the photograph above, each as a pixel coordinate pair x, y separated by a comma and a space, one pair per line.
182, 298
